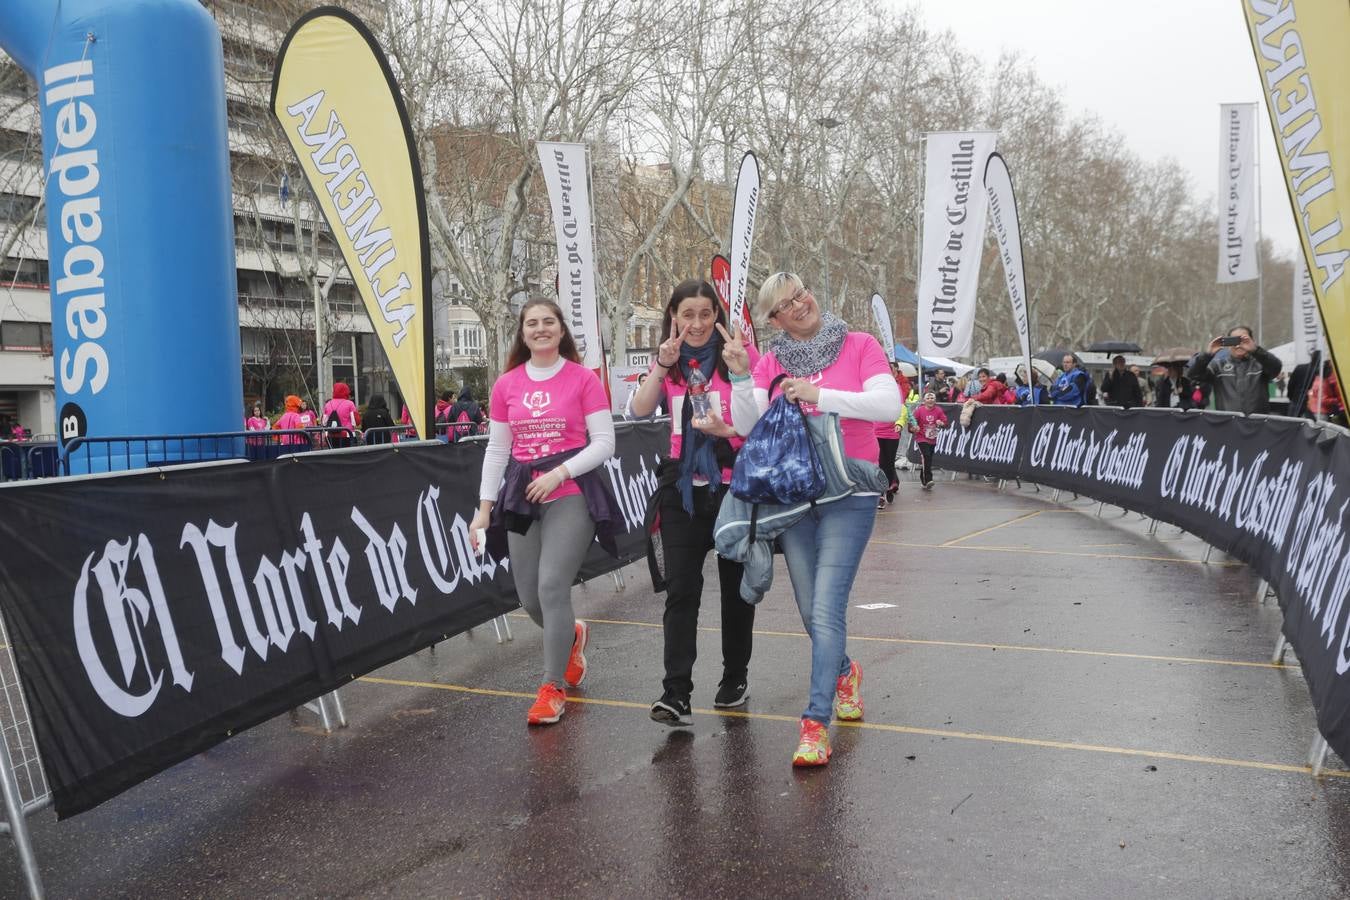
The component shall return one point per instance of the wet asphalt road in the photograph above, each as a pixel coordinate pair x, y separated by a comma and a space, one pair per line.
1058, 705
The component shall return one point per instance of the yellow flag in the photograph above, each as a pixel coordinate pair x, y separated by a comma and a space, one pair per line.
1303, 53
337, 102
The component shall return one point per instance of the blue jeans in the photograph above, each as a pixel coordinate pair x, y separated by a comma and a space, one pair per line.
823, 551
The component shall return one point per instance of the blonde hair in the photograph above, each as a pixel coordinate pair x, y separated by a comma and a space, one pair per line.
770, 290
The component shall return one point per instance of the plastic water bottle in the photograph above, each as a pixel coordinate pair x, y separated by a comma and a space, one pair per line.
698, 390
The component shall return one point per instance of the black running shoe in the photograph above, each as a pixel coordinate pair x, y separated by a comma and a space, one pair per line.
732, 693
672, 711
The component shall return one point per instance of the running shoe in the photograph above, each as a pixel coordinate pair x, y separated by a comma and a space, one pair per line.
576, 662
549, 705
848, 704
732, 693
813, 748
881, 503
672, 711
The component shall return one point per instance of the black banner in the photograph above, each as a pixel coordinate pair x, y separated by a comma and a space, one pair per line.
154, 614
1271, 492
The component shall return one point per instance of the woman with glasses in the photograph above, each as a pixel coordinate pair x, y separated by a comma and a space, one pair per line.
830, 370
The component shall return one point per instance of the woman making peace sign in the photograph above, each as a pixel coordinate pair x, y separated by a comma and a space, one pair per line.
692, 484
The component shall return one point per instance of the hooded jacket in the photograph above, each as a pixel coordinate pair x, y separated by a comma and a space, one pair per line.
377, 416
341, 406
290, 421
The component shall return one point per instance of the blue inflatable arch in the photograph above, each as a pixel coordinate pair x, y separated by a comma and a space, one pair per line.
140, 228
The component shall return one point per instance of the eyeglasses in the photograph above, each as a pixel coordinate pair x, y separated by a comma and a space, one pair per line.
785, 305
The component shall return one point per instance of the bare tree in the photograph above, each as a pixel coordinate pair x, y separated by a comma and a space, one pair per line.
695, 85
486, 82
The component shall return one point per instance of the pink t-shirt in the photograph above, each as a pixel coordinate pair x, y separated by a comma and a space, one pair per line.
345, 409
256, 423
719, 388
548, 416
928, 420
289, 421
860, 359
885, 431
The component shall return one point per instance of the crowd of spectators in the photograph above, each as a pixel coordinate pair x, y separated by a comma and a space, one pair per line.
1233, 373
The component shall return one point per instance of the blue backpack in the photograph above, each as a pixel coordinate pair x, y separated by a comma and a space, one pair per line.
779, 462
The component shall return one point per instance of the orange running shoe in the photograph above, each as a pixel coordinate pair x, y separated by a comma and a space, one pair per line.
549, 705
848, 705
813, 749
576, 662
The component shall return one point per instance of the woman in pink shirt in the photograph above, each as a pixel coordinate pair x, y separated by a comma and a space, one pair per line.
308, 417
550, 429
290, 421
830, 370
692, 483
340, 412
927, 421
257, 421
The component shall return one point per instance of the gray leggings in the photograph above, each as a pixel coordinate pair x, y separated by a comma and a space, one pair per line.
544, 563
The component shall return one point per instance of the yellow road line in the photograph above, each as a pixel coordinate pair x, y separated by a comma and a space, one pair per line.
1013, 521
981, 549
983, 509
1026, 648
895, 729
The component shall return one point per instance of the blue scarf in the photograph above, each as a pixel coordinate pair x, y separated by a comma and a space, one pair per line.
697, 456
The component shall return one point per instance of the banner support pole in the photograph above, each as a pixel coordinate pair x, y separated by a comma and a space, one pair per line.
1317, 756
1260, 262
18, 823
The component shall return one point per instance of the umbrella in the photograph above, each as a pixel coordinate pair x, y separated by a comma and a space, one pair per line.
1114, 347
1043, 368
1174, 356
1054, 356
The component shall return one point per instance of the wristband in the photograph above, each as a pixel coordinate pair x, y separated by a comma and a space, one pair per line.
662, 365
735, 377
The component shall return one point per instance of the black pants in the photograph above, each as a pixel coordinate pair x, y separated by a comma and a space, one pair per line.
889, 448
926, 451
686, 541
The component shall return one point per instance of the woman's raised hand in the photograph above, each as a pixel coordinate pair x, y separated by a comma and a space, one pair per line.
668, 354
733, 350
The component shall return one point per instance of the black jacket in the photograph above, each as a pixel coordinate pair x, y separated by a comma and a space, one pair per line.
1240, 385
1122, 389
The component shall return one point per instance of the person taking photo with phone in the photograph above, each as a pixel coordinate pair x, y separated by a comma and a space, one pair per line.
1239, 371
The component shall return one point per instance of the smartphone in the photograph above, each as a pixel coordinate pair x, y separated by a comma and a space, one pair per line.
481, 535
1229, 341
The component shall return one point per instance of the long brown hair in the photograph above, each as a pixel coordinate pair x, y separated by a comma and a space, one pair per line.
694, 287
520, 354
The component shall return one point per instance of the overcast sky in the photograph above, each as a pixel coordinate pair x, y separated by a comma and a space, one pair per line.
1155, 73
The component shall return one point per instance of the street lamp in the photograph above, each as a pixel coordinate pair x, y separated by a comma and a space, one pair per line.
826, 123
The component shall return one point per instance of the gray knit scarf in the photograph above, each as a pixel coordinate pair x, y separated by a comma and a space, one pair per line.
802, 358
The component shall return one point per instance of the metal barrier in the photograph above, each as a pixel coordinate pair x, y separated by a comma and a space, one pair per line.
22, 781
11, 461
452, 432
22, 460
389, 434
116, 454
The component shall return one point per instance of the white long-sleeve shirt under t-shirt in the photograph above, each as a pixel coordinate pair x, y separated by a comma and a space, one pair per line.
599, 430
863, 392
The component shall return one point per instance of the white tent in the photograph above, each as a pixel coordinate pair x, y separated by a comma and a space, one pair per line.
950, 365
1286, 354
